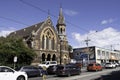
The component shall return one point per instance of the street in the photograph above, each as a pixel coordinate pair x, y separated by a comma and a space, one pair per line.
84, 75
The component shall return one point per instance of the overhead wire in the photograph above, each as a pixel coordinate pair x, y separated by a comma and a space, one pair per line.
13, 20
44, 11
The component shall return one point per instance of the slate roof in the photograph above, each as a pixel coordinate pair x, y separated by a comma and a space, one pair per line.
26, 31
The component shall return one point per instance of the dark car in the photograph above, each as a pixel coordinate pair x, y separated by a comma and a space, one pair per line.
31, 71
51, 69
67, 70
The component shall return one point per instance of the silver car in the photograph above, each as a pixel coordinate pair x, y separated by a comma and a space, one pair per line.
110, 65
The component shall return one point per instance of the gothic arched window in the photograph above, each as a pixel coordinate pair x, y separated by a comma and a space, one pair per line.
53, 44
47, 42
43, 41
61, 30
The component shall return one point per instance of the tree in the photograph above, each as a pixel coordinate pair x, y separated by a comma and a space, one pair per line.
11, 47
70, 49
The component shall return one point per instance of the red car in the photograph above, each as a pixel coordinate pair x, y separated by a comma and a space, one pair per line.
94, 67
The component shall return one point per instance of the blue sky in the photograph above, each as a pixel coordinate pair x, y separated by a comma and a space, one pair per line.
83, 18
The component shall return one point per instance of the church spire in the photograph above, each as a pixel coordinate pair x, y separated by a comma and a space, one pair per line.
48, 14
61, 20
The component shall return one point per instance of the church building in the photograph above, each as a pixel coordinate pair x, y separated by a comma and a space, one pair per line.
50, 43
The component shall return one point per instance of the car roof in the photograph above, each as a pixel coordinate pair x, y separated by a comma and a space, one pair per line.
8, 67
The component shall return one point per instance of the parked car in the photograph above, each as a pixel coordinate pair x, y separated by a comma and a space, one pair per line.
7, 73
116, 64
94, 67
48, 63
67, 70
110, 65
31, 71
51, 69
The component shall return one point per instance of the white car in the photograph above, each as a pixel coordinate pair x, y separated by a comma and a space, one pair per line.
116, 64
7, 73
46, 64
110, 65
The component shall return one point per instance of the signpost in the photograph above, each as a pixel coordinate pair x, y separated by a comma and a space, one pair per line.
15, 60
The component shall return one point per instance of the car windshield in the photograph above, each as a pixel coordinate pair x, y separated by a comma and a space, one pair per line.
108, 63
90, 64
53, 62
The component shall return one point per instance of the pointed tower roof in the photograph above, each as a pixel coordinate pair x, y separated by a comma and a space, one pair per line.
48, 14
61, 18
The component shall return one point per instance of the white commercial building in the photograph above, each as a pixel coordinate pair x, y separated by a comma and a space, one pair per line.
96, 54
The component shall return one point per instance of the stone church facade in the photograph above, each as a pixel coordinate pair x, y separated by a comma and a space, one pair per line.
49, 43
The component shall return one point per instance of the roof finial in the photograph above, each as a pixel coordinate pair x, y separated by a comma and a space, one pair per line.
48, 13
60, 5
60, 14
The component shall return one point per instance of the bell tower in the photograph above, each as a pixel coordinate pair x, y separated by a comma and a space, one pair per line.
61, 30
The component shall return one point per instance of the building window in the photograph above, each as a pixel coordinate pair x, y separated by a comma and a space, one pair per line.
43, 42
53, 44
47, 42
107, 55
98, 54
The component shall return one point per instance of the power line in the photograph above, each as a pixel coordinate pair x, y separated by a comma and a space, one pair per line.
87, 41
13, 20
44, 11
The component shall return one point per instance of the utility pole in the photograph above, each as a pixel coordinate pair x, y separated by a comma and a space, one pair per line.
87, 41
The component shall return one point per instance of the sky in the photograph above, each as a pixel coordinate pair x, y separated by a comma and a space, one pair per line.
97, 20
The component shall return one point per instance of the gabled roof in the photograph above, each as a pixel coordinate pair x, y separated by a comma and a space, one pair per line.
26, 31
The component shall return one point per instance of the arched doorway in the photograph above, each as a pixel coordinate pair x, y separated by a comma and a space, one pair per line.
54, 58
48, 57
43, 57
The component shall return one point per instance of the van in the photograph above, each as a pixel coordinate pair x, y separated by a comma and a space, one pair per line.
46, 64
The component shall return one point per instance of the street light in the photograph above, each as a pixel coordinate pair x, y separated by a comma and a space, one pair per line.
61, 39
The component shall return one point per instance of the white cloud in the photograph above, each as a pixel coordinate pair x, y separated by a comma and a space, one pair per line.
104, 38
107, 21
70, 12
4, 31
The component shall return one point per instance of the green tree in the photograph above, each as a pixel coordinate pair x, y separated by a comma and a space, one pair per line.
11, 47
70, 49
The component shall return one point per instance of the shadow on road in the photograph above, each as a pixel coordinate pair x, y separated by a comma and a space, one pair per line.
112, 76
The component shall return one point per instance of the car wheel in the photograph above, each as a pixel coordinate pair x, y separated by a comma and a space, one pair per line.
21, 78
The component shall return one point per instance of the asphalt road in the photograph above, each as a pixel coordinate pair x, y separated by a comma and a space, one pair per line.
100, 75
